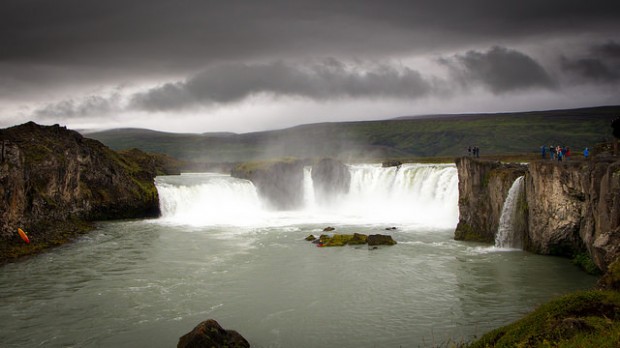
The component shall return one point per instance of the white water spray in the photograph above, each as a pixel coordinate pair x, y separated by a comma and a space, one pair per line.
506, 236
414, 194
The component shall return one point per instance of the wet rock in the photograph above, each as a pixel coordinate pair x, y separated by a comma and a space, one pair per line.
209, 334
380, 239
328, 229
310, 238
391, 163
279, 182
331, 178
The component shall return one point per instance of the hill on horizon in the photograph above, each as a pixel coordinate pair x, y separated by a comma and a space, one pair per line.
403, 137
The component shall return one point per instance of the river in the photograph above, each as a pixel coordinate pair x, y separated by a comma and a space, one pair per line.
218, 253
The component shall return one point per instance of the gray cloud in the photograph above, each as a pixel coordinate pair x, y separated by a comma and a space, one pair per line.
600, 64
90, 106
501, 70
330, 79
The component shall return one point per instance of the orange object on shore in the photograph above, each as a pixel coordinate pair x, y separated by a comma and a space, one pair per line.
23, 235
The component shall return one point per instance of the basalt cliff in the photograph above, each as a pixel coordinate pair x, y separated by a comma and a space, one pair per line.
53, 181
568, 208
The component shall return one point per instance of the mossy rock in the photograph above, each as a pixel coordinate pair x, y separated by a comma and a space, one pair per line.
310, 238
611, 279
581, 319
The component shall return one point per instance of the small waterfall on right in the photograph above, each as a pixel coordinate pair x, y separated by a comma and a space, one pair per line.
508, 234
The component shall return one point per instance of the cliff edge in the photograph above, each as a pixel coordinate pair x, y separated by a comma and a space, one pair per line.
571, 207
53, 180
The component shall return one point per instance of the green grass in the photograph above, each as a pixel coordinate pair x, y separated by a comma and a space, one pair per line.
581, 319
498, 135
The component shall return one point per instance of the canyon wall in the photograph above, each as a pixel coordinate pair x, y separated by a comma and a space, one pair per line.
52, 180
483, 188
571, 207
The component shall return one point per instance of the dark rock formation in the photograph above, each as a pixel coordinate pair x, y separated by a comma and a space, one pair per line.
483, 187
380, 239
391, 163
280, 183
575, 206
330, 177
53, 179
571, 207
209, 334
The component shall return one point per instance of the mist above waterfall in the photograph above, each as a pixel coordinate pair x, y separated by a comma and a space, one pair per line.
413, 194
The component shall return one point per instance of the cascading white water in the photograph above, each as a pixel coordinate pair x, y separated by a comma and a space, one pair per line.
208, 199
413, 194
506, 236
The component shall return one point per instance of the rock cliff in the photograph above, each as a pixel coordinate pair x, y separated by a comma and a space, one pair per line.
575, 207
331, 178
279, 182
571, 207
53, 179
483, 187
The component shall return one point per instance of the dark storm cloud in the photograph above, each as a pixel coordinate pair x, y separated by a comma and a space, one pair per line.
600, 64
501, 70
330, 79
176, 34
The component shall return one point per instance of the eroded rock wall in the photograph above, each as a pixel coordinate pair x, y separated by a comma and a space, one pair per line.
280, 183
483, 188
571, 207
52, 178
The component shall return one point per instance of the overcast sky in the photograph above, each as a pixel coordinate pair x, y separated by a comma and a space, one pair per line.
240, 66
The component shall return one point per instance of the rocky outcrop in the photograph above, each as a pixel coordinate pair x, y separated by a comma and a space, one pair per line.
209, 334
571, 207
483, 187
280, 183
351, 239
331, 178
53, 179
574, 207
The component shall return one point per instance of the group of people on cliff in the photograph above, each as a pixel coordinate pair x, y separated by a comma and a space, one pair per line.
560, 153
474, 151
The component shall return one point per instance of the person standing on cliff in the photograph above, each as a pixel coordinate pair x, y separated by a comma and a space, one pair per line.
543, 150
551, 152
586, 153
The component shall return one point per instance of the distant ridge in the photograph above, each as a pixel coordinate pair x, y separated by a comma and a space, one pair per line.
442, 135
550, 112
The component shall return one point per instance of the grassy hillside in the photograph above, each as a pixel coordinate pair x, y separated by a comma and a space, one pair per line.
436, 136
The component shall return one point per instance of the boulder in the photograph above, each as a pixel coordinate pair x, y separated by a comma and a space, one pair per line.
380, 239
209, 334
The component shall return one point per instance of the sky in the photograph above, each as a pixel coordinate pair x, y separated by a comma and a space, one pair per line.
242, 66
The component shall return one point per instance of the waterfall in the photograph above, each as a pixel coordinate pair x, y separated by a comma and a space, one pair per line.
417, 194
507, 235
205, 199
